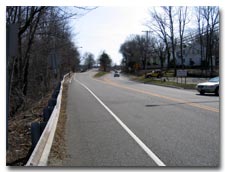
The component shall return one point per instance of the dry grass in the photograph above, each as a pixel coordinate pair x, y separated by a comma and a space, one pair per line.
100, 74
19, 134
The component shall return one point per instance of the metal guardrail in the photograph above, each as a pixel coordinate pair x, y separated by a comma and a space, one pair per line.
39, 156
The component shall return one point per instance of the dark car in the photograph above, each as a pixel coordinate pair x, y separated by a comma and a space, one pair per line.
116, 74
82, 70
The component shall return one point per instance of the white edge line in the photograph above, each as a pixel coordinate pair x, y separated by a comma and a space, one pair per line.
141, 144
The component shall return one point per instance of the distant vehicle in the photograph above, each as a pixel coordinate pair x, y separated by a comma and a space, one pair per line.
82, 70
211, 86
154, 73
116, 74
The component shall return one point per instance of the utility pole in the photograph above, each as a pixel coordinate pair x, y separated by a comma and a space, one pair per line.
147, 36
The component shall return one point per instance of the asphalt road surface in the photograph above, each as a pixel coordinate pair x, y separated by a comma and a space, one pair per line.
114, 122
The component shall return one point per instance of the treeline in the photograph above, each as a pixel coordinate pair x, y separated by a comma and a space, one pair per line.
44, 52
170, 30
104, 61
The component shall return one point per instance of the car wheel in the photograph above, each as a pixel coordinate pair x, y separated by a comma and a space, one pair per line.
217, 91
202, 92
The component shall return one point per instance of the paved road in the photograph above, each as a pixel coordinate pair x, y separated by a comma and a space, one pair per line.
117, 122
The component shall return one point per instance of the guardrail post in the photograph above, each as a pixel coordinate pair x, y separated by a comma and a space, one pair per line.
35, 134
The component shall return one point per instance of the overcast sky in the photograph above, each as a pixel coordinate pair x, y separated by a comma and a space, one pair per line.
106, 28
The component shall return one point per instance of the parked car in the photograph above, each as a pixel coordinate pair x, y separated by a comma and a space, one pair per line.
212, 86
154, 73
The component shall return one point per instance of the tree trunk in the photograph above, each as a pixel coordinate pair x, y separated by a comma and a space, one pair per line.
172, 39
27, 56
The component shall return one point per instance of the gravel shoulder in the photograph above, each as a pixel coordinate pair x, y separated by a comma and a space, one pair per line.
58, 150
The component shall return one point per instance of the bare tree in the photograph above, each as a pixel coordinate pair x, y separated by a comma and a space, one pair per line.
208, 28
158, 25
182, 14
138, 51
159, 49
27, 19
170, 13
200, 23
42, 31
211, 15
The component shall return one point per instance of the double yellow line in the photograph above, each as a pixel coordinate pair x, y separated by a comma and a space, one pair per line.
109, 82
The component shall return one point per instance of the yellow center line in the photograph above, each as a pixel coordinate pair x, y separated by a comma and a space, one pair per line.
109, 82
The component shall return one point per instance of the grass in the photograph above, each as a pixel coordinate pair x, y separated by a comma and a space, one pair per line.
100, 74
163, 83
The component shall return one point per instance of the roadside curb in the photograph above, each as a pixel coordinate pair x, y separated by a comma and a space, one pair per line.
39, 156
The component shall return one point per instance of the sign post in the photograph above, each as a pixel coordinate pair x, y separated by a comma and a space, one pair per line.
181, 73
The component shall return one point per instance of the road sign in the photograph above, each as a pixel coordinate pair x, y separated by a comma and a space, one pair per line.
181, 73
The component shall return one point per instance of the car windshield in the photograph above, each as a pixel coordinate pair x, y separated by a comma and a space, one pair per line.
216, 79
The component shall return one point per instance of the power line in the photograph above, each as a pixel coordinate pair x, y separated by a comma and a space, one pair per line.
196, 34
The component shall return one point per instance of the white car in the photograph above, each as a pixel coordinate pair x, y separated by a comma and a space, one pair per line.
212, 86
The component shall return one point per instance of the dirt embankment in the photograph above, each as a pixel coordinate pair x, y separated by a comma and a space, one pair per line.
19, 133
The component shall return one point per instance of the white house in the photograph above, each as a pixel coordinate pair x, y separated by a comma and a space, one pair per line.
191, 55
